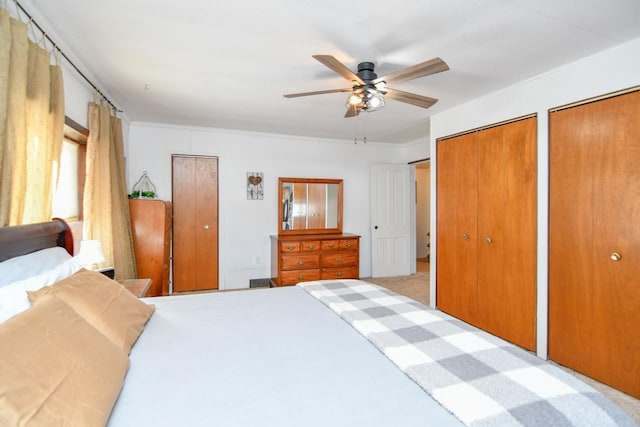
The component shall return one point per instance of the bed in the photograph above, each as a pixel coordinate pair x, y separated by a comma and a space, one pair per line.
321, 353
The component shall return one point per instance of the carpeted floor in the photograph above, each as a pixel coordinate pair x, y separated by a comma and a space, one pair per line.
416, 287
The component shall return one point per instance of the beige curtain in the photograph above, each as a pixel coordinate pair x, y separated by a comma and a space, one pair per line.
31, 126
106, 204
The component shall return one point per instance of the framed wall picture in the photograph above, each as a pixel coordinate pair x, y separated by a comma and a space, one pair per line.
255, 185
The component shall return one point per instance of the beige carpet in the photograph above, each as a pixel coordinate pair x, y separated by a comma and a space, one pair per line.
416, 287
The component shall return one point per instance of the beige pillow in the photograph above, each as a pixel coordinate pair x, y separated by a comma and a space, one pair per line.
56, 369
104, 303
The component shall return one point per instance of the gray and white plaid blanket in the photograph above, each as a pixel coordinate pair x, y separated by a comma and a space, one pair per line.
481, 379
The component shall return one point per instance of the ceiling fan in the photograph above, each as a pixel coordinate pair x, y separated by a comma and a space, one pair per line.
369, 91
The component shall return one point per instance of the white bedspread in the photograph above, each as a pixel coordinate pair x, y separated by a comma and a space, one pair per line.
261, 358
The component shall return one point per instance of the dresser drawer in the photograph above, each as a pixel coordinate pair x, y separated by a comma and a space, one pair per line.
351, 244
296, 276
300, 262
339, 259
312, 245
290, 247
339, 273
330, 245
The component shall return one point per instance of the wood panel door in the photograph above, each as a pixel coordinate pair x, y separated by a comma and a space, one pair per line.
507, 231
457, 228
195, 223
594, 240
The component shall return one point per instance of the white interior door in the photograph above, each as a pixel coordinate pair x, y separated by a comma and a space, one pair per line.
391, 220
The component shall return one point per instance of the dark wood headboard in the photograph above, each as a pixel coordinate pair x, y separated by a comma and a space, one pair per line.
23, 239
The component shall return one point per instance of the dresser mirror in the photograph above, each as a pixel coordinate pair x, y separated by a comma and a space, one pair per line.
309, 206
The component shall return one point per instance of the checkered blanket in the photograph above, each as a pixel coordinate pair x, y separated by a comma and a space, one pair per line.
479, 378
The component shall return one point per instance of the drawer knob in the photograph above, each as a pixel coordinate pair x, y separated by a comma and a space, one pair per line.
331, 246
339, 274
339, 259
291, 247
312, 246
349, 245
300, 276
300, 262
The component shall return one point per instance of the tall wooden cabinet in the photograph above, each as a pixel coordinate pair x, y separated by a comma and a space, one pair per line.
151, 227
486, 204
594, 240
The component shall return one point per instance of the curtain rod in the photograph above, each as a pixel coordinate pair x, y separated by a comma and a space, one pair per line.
55, 46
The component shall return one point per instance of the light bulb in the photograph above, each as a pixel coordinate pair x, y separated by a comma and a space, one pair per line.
374, 102
354, 100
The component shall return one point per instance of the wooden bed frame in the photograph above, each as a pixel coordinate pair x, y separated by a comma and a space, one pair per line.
23, 239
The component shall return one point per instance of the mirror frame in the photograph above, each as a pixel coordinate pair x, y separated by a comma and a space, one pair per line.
337, 230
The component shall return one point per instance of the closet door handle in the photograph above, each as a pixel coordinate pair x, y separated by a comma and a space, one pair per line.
206, 226
489, 240
465, 237
615, 256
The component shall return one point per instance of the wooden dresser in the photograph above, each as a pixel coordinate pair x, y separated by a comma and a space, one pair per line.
300, 258
151, 227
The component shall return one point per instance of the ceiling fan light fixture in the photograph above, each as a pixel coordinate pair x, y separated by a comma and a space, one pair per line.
374, 102
354, 100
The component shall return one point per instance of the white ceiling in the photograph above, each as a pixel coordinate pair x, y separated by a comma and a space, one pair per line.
227, 63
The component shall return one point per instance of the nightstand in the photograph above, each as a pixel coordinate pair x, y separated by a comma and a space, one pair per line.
138, 287
110, 272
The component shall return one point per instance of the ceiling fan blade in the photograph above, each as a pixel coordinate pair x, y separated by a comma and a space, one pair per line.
318, 92
410, 98
338, 67
432, 66
352, 112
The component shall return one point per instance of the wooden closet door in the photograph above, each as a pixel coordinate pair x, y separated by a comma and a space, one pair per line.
507, 231
299, 208
195, 223
457, 226
594, 295
491, 239
317, 206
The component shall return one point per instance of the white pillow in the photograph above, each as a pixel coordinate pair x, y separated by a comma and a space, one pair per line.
13, 297
21, 267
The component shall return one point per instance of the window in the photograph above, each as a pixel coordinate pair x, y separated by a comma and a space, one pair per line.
67, 200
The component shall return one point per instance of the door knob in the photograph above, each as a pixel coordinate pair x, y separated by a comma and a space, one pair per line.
375, 227
206, 226
489, 240
615, 256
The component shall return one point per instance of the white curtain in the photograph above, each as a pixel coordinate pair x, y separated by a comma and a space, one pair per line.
31, 126
106, 204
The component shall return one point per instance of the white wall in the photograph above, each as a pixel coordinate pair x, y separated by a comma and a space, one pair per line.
245, 225
608, 71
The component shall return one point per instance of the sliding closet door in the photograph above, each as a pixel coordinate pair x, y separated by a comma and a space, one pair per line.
457, 226
594, 247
